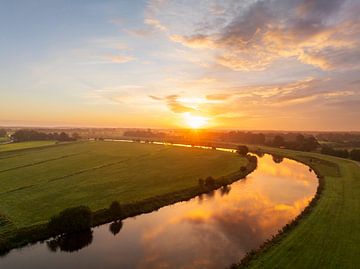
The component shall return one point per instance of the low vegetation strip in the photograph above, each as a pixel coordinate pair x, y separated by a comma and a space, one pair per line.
327, 234
145, 178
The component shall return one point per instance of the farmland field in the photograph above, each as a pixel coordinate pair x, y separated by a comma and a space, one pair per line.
25, 145
36, 183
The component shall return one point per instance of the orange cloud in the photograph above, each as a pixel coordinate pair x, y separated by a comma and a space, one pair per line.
313, 33
120, 58
195, 41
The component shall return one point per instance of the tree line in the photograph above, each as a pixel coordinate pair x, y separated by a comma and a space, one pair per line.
353, 154
3, 132
33, 135
145, 134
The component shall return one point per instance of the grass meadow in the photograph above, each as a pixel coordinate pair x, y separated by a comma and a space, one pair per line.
37, 183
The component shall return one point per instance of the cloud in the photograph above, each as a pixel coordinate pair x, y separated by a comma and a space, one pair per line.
321, 33
140, 32
124, 94
195, 41
174, 104
155, 98
155, 23
119, 58
332, 58
220, 96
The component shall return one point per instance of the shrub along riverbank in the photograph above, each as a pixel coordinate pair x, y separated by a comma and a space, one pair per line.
326, 234
120, 210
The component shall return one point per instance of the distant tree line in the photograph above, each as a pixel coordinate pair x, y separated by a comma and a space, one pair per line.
145, 134
3, 132
340, 137
353, 154
301, 143
244, 137
33, 135
295, 142
291, 140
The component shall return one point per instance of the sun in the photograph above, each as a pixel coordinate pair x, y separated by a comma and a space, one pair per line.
195, 122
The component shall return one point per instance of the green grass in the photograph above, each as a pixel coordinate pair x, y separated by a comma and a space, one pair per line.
37, 183
4, 139
25, 145
328, 237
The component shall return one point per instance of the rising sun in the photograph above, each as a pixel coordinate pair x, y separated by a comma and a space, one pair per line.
195, 122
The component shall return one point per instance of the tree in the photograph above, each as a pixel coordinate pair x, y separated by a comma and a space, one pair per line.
75, 136
251, 158
28, 135
278, 141
310, 143
242, 150
71, 220
355, 154
277, 159
64, 137
116, 209
32, 135
300, 138
3, 132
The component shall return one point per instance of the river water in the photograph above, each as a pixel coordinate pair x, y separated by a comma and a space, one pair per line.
209, 231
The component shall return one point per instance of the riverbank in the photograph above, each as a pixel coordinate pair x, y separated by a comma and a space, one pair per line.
12, 237
326, 234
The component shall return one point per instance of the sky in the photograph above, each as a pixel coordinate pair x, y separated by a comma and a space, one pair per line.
259, 65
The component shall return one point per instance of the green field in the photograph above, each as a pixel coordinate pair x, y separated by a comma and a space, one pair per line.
329, 237
25, 145
37, 183
3, 139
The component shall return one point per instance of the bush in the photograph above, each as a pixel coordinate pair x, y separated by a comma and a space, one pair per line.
277, 158
242, 150
259, 153
209, 181
251, 158
70, 220
243, 169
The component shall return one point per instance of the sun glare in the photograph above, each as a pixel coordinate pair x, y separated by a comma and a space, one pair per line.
195, 122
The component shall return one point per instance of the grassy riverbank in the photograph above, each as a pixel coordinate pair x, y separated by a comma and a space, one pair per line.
40, 182
328, 236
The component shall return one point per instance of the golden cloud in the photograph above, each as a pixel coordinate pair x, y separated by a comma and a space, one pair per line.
320, 34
